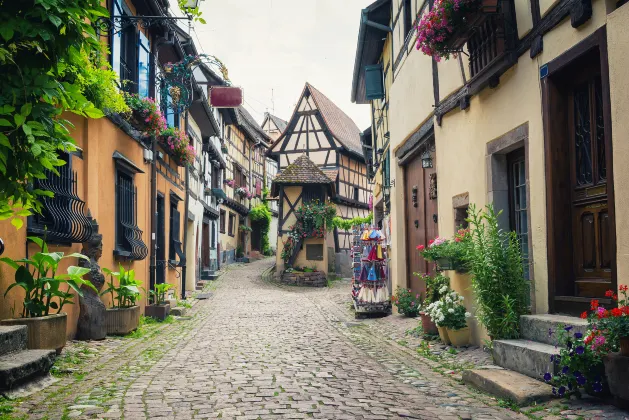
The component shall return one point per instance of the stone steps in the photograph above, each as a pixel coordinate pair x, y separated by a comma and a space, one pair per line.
525, 356
17, 364
508, 385
536, 327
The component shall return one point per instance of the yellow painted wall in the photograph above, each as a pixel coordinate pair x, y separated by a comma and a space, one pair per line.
618, 49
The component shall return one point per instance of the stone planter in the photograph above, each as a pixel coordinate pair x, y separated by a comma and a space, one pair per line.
443, 335
122, 321
624, 346
459, 338
617, 374
314, 279
428, 325
46, 332
159, 312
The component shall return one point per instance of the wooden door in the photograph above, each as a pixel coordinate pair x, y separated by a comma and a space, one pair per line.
592, 245
161, 242
421, 218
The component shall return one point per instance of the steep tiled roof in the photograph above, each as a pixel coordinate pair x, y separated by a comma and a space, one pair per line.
279, 123
331, 173
302, 171
251, 126
342, 127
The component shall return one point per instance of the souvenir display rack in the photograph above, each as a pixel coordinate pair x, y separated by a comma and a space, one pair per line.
370, 285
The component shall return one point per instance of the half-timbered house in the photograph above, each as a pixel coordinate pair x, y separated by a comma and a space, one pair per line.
273, 126
331, 140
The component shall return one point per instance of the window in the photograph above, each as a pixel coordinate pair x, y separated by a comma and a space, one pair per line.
239, 178
222, 221
356, 193
125, 50
232, 219
518, 210
485, 45
174, 250
172, 117
129, 243
144, 66
62, 219
408, 18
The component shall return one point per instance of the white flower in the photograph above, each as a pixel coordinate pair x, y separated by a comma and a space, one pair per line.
461, 298
448, 299
467, 314
443, 289
451, 310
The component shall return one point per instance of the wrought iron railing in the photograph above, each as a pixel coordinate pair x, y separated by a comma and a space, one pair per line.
128, 220
63, 218
486, 44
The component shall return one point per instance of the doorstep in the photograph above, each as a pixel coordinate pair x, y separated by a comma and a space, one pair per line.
508, 385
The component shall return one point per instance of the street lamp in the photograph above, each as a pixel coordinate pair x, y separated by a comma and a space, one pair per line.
427, 159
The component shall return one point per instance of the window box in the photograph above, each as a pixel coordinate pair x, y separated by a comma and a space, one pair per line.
471, 22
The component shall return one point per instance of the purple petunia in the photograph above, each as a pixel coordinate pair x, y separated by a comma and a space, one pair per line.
580, 350
547, 376
581, 380
561, 391
597, 387
565, 370
568, 328
578, 335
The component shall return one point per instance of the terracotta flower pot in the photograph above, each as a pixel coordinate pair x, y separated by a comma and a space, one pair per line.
122, 321
443, 335
46, 332
460, 337
428, 325
159, 312
624, 346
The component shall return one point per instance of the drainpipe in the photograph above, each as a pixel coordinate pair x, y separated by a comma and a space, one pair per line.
153, 256
184, 263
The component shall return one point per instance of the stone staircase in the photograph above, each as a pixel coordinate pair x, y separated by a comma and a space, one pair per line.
525, 360
17, 364
206, 276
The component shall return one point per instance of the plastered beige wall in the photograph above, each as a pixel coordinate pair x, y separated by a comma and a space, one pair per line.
618, 50
524, 19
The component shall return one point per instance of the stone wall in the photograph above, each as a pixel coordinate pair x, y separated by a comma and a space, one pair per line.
316, 279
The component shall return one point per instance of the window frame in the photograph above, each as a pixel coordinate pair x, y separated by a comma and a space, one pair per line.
121, 242
231, 223
222, 216
517, 157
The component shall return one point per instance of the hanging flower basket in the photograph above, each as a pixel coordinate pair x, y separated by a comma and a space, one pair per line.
176, 143
447, 27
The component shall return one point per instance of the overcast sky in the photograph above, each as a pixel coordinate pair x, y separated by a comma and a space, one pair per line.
279, 45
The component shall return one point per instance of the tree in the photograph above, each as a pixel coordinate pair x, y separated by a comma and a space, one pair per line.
43, 48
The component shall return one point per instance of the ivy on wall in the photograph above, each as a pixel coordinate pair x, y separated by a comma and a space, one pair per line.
261, 214
348, 224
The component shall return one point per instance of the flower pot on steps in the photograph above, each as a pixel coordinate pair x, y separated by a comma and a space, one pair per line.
159, 312
122, 321
459, 338
443, 335
428, 325
45, 332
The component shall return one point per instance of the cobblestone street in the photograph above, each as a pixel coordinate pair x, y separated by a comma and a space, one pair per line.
257, 350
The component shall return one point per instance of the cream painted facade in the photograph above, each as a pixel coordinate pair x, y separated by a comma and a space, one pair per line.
470, 143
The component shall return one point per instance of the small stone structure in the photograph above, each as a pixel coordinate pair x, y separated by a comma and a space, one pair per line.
314, 279
91, 323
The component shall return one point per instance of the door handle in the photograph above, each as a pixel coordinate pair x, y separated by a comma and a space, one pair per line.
434, 218
416, 224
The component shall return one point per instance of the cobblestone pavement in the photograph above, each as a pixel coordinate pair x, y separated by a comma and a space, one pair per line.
258, 350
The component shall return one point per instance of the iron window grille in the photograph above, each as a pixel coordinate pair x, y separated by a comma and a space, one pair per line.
129, 243
63, 219
486, 44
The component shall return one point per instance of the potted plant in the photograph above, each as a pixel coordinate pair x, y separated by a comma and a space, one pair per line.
229, 182
176, 143
448, 254
145, 115
446, 27
450, 316
436, 287
242, 192
42, 286
407, 302
160, 308
124, 315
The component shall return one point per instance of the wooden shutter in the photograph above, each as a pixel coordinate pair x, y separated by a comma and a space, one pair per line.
258, 188
374, 82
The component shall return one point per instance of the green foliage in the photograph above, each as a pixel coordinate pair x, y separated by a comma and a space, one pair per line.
239, 252
191, 11
98, 82
407, 302
261, 215
495, 261
40, 43
126, 294
244, 228
347, 224
159, 292
152, 121
313, 219
448, 253
42, 285
449, 311
437, 286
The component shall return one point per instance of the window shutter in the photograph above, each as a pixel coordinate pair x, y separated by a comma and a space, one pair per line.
374, 82
258, 187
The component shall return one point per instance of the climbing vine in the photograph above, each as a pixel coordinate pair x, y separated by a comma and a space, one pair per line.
44, 48
348, 224
261, 215
313, 220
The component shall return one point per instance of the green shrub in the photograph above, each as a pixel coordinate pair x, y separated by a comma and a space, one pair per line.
407, 302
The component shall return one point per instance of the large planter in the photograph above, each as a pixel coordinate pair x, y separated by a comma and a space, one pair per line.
443, 335
624, 346
445, 264
46, 332
122, 321
159, 312
459, 338
428, 325
616, 373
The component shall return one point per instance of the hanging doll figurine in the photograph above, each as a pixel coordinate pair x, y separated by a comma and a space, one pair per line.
372, 274
373, 255
379, 252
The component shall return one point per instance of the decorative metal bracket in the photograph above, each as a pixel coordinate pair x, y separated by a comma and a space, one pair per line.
116, 24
